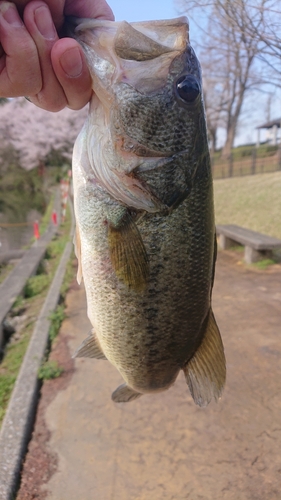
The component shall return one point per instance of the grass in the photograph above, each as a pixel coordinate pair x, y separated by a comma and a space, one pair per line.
263, 264
32, 302
49, 370
10, 367
36, 284
56, 318
5, 270
45, 220
252, 201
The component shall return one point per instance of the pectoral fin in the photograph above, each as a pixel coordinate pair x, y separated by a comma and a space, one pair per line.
205, 373
124, 394
89, 348
77, 250
127, 252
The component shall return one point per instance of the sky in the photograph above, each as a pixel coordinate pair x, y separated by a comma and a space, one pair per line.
144, 10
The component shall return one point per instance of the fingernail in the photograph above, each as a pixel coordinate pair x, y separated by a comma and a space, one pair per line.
10, 14
71, 62
44, 23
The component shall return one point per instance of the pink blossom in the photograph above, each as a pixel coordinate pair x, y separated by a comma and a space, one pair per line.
34, 132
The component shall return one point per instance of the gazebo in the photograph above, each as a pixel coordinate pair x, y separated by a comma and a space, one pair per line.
272, 131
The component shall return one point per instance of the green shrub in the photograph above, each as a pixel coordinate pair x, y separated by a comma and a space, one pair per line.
264, 264
56, 318
271, 149
49, 370
7, 382
35, 285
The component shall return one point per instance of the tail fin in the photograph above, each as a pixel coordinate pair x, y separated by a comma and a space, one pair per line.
205, 372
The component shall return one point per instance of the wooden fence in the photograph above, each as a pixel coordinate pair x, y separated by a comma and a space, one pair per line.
249, 165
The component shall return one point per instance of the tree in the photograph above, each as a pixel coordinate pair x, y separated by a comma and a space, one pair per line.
213, 99
267, 34
238, 41
34, 133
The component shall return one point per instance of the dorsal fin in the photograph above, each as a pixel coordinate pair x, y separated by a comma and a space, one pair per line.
132, 44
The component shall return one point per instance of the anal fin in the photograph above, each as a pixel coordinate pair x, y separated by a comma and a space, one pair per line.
125, 394
89, 348
205, 372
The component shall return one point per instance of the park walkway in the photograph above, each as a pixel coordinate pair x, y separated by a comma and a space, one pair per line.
163, 447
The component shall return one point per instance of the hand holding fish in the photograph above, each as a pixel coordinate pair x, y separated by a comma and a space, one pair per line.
35, 62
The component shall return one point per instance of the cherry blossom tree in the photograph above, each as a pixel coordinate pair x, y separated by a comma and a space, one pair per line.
33, 133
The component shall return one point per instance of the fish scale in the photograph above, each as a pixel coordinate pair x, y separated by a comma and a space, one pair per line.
138, 108
148, 272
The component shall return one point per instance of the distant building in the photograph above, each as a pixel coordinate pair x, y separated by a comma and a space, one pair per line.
272, 131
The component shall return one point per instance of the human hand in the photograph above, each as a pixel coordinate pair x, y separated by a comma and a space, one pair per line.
34, 62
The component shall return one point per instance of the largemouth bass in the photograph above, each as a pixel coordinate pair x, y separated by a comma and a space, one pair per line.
143, 198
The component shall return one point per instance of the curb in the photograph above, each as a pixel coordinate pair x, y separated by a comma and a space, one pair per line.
16, 280
18, 421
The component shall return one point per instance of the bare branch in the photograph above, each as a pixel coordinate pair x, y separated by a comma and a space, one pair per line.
240, 50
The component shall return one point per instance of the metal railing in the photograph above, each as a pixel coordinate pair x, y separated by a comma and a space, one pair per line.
249, 165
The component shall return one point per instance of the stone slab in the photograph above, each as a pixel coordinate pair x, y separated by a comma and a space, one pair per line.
248, 237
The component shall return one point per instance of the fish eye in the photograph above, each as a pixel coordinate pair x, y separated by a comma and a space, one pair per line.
188, 88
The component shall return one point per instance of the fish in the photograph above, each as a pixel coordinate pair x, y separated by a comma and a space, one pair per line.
143, 200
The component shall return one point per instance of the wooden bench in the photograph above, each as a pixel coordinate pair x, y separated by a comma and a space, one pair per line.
257, 246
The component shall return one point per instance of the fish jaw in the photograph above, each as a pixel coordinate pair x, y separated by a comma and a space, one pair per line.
110, 49
115, 49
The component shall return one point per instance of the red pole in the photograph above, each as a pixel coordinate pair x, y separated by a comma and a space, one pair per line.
54, 218
36, 230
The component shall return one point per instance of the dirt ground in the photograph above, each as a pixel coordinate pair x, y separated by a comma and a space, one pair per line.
164, 447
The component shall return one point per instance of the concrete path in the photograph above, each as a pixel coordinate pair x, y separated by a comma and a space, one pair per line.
163, 447
15, 282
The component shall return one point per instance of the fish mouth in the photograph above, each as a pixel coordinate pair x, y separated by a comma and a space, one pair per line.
117, 51
169, 34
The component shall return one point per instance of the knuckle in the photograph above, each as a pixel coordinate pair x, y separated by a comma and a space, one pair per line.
29, 85
53, 103
76, 106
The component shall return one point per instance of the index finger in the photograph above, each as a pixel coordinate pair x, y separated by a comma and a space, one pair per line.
19, 65
56, 7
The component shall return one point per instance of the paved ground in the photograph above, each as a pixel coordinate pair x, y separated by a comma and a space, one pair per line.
164, 447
